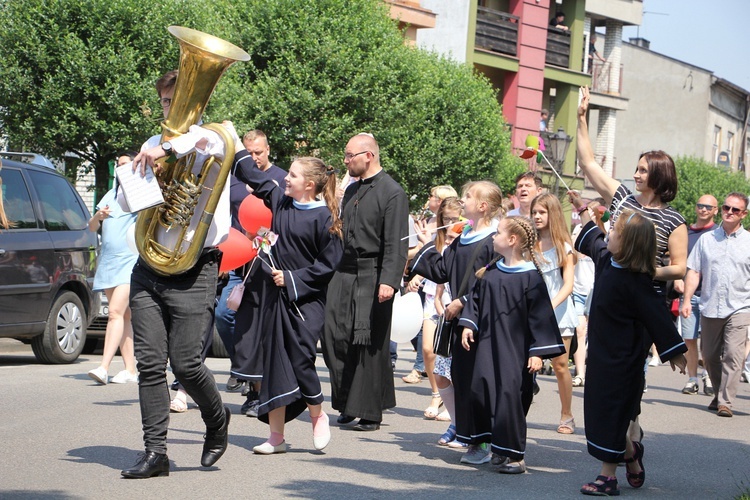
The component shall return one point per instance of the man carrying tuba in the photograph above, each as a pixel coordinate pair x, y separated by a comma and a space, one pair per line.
173, 284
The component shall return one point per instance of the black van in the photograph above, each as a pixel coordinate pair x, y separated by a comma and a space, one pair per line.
47, 262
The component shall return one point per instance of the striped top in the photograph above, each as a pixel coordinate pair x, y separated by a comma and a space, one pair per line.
665, 221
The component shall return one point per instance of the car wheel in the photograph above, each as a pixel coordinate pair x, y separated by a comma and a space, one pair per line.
217, 349
64, 337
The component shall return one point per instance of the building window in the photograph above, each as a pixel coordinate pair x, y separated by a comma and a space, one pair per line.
717, 143
730, 143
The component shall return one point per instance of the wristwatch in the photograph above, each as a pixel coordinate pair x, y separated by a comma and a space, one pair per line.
167, 147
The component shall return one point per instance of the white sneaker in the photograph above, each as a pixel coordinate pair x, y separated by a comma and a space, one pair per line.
124, 377
100, 375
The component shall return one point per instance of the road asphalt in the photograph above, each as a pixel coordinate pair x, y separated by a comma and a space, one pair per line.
65, 437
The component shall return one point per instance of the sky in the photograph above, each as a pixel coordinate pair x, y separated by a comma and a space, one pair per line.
713, 35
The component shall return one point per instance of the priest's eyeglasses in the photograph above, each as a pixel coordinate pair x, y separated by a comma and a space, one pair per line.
349, 156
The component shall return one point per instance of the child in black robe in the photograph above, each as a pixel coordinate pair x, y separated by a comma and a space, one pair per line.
510, 324
300, 265
471, 251
626, 315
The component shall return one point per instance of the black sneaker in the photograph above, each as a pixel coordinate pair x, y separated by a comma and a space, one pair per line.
692, 387
250, 406
708, 389
234, 385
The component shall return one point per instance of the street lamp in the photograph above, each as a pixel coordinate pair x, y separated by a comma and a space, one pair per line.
559, 142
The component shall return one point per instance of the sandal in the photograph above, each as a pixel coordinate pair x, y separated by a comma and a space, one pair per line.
636, 479
578, 381
178, 406
413, 378
567, 426
432, 411
443, 416
448, 436
603, 486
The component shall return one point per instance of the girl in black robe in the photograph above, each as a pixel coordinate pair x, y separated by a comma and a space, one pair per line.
471, 251
510, 325
626, 314
298, 267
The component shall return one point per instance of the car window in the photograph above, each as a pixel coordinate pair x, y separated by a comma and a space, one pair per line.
16, 200
63, 210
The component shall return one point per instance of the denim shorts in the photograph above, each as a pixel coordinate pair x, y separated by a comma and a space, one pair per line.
580, 303
690, 327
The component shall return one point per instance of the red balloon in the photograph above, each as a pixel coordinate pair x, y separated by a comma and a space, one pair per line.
253, 215
237, 251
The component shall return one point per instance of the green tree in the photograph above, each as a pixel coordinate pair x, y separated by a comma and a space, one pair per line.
697, 177
78, 74
338, 67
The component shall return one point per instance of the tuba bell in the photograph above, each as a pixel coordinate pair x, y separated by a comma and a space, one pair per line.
170, 237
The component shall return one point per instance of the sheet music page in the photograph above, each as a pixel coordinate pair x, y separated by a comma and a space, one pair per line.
140, 192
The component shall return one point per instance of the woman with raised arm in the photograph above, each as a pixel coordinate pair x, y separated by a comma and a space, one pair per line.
656, 185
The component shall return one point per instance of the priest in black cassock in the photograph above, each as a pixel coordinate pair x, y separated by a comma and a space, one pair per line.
356, 338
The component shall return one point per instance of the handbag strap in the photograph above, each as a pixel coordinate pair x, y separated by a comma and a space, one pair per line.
469, 269
249, 269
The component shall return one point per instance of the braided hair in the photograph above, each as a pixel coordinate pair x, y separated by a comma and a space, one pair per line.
521, 228
524, 229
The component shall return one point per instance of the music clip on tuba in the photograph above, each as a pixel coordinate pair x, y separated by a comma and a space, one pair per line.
170, 236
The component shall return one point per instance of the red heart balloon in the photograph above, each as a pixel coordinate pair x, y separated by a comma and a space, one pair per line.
253, 215
237, 250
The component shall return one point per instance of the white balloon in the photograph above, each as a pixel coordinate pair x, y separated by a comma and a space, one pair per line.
407, 317
130, 238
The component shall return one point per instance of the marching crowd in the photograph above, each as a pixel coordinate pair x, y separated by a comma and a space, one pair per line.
504, 288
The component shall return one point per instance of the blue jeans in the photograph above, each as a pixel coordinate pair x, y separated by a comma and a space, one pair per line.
225, 316
690, 327
170, 315
419, 360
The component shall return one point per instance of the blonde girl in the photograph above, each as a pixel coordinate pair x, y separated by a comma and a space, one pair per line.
557, 259
305, 256
482, 202
510, 326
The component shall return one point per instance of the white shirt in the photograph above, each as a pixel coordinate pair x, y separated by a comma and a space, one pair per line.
222, 220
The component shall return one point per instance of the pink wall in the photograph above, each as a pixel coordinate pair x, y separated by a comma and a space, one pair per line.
523, 91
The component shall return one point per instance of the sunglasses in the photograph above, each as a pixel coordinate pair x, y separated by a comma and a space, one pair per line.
734, 210
701, 206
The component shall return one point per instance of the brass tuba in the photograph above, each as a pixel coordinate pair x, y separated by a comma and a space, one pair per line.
163, 234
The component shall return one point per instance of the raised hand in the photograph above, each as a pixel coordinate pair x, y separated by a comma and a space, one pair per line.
585, 97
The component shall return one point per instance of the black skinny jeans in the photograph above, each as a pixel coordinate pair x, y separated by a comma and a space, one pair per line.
170, 315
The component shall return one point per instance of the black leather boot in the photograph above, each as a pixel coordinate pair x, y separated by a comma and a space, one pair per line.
149, 464
216, 441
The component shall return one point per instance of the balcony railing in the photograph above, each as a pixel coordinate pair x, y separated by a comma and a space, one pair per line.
602, 78
558, 47
497, 31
